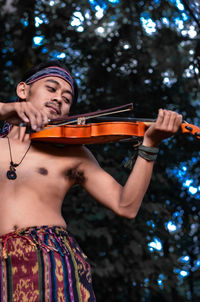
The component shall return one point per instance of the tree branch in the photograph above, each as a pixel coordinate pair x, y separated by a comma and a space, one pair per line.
191, 12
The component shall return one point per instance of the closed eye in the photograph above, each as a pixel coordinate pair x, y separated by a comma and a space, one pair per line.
66, 100
50, 88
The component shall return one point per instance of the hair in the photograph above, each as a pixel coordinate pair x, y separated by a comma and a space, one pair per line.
50, 63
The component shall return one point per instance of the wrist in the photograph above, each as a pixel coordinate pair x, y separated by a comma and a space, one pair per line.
6, 110
149, 143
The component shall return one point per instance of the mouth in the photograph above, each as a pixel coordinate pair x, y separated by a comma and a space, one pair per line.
53, 109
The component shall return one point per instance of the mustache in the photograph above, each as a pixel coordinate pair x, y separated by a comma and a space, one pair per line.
49, 104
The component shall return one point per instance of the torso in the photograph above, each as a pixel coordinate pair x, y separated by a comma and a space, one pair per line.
35, 197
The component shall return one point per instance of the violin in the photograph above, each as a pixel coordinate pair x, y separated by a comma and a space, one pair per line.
102, 130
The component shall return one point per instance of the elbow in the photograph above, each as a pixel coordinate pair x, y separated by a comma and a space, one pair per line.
130, 216
127, 210
127, 214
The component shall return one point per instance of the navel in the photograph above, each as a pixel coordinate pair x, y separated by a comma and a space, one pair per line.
15, 227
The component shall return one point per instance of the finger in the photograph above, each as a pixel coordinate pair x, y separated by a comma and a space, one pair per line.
20, 113
45, 119
33, 120
42, 117
35, 116
171, 122
177, 122
163, 119
23, 117
160, 117
168, 120
39, 120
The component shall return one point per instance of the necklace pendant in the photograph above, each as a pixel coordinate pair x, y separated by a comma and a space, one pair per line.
11, 174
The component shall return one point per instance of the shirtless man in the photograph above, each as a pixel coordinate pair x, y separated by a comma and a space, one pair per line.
40, 259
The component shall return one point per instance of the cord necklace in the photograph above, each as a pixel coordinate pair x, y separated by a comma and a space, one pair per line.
11, 173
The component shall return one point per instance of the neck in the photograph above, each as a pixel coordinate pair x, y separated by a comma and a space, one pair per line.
19, 134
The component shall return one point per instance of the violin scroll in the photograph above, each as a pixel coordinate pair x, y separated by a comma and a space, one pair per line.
192, 129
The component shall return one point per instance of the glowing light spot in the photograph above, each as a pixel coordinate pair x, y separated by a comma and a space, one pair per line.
192, 32
184, 273
192, 190
166, 80
179, 23
100, 12
187, 183
160, 282
179, 5
37, 40
126, 46
149, 25
80, 29
184, 259
165, 21
79, 16
171, 226
61, 55
100, 30
38, 21
77, 19
114, 1
156, 244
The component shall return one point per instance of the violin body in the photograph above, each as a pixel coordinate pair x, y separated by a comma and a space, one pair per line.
104, 132
91, 133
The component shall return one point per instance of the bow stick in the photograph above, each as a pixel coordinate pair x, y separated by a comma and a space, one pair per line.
81, 118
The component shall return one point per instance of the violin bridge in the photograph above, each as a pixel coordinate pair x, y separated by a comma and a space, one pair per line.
81, 120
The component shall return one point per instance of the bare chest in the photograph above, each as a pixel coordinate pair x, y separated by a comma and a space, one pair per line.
41, 164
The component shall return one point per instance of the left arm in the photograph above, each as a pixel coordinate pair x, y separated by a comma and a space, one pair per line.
126, 201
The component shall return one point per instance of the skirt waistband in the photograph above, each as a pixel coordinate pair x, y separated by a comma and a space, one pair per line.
39, 229
34, 235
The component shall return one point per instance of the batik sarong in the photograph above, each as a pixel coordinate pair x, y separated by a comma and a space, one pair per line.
43, 264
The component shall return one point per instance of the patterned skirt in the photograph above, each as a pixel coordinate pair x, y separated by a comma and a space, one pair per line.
43, 264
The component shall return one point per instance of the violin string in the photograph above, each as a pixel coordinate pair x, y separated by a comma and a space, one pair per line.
86, 118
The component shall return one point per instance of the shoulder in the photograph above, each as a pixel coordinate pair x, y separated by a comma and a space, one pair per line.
78, 154
82, 153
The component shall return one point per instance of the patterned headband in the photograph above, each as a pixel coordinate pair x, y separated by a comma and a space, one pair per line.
54, 71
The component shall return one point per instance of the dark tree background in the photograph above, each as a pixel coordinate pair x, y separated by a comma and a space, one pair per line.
117, 60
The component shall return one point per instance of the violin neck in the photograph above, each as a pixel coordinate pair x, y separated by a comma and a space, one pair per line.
147, 122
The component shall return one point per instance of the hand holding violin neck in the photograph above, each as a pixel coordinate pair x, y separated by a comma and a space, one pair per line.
167, 124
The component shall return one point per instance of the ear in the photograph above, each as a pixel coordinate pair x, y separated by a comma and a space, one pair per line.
22, 90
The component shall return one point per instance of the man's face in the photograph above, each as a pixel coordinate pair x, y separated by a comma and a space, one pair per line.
51, 94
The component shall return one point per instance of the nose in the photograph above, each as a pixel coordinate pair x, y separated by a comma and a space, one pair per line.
57, 99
